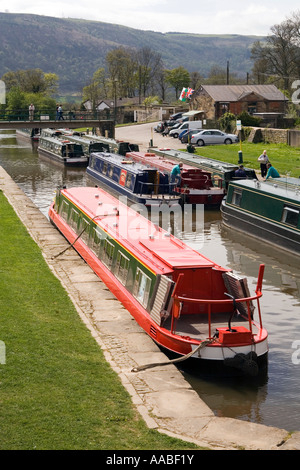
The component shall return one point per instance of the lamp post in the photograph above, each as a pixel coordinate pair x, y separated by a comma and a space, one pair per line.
115, 99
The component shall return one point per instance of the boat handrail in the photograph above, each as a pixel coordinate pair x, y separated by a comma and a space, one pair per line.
169, 186
180, 299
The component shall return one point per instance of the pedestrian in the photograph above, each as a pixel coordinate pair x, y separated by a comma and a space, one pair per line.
176, 174
60, 113
272, 172
263, 160
31, 112
240, 172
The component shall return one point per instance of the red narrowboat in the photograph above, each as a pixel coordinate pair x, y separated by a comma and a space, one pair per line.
187, 303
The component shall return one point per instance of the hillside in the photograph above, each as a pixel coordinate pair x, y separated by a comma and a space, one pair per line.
74, 49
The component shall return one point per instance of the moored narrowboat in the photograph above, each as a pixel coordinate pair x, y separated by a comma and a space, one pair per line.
62, 151
268, 210
138, 182
196, 186
33, 134
115, 146
221, 172
185, 302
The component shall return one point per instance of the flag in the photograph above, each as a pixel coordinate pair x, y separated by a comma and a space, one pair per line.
182, 96
186, 93
189, 92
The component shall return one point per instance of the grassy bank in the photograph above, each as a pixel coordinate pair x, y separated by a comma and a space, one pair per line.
56, 389
284, 158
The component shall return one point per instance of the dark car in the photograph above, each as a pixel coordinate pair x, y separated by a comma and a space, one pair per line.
175, 116
186, 138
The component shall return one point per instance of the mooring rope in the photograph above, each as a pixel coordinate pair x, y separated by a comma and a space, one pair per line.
173, 361
82, 231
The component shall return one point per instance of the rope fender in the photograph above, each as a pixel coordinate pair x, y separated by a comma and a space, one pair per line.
173, 361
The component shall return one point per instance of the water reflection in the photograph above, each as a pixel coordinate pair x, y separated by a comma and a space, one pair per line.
274, 400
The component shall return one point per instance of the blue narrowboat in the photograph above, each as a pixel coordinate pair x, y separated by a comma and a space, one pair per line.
139, 182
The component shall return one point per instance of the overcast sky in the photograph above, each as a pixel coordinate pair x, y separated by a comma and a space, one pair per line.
195, 16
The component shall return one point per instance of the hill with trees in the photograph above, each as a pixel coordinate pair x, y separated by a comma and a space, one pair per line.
74, 49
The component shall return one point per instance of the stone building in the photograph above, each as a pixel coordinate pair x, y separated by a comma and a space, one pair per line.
216, 100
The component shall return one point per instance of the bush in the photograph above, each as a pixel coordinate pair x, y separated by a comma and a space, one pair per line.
248, 120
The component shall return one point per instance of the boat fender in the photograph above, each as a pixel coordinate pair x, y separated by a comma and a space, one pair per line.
247, 363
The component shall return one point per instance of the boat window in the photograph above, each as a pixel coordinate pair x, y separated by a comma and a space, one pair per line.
290, 216
110, 171
84, 228
74, 219
237, 196
64, 210
141, 288
96, 238
104, 168
122, 267
128, 180
108, 253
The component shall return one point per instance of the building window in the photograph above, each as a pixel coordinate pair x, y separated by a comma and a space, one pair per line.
237, 197
290, 216
122, 267
141, 288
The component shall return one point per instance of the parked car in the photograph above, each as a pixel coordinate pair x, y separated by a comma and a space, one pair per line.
196, 125
176, 116
212, 137
186, 137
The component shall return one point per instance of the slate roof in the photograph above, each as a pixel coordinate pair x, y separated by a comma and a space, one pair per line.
231, 93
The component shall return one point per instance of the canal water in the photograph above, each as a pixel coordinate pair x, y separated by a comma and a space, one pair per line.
274, 400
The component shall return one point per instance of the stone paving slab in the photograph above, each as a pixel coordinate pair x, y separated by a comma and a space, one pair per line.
161, 395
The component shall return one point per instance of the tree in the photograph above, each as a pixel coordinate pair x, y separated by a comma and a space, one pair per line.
31, 81
280, 54
96, 89
149, 66
178, 78
121, 66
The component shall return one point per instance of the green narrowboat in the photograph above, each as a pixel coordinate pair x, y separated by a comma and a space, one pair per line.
268, 210
221, 172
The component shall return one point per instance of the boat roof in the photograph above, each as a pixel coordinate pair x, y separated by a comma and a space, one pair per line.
63, 141
153, 246
132, 166
196, 159
287, 188
160, 161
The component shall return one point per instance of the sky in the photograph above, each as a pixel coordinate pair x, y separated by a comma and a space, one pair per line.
195, 16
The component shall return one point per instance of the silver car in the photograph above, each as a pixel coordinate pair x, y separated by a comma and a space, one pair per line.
212, 137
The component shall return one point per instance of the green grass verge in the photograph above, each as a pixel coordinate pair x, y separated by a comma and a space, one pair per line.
56, 389
284, 158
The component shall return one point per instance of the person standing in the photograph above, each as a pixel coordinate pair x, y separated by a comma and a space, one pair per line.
263, 160
60, 113
31, 112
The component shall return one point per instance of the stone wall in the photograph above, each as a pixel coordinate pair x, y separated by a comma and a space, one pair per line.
274, 136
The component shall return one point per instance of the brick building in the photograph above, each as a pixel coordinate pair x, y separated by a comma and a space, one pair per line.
215, 100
